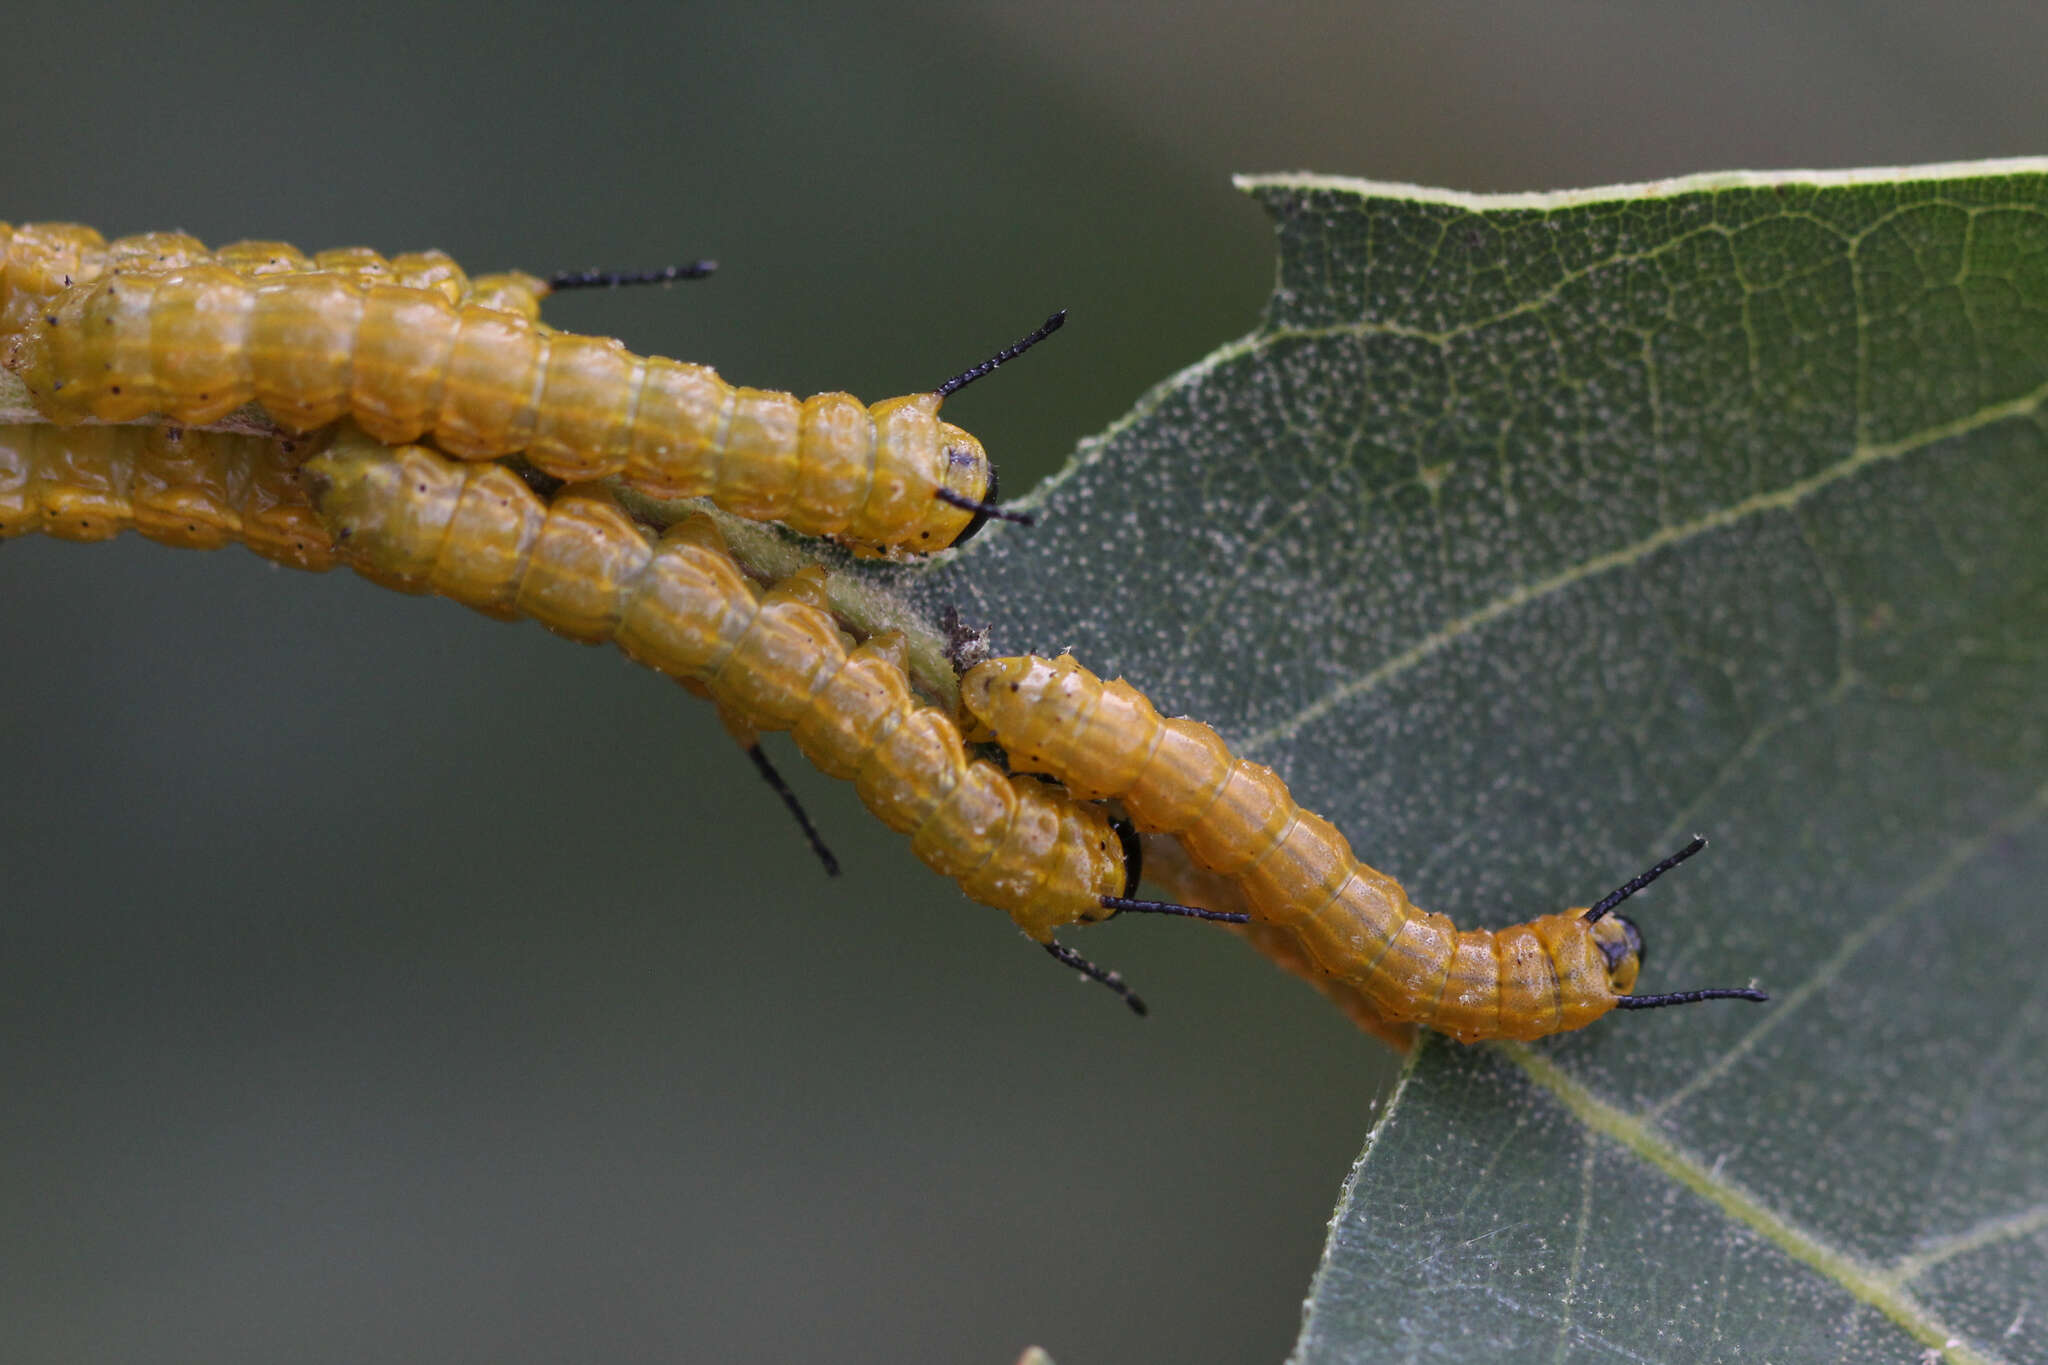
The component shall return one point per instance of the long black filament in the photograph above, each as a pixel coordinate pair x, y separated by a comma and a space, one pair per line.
1126, 906
1002, 357
985, 509
616, 279
795, 807
1068, 957
1627, 889
1651, 1002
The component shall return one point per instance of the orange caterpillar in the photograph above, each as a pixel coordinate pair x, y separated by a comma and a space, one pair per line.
39, 261
198, 490
1168, 865
197, 341
1295, 870
577, 564
202, 490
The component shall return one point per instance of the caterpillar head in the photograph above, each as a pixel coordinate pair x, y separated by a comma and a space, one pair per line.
969, 479
969, 484
1621, 944
388, 509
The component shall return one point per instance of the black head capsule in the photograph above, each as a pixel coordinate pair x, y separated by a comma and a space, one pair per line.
1629, 945
1134, 854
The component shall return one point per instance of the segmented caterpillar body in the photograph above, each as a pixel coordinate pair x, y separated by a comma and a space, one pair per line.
202, 490
199, 490
1168, 866
580, 566
197, 341
1296, 871
39, 261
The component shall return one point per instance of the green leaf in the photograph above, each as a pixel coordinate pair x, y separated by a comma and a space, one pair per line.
1527, 537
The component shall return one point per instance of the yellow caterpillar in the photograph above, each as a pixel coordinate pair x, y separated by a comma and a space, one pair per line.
198, 490
202, 490
1295, 870
577, 564
1168, 865
198, 340
40, 261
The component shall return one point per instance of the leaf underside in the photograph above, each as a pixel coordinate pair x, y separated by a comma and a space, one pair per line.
1528, 536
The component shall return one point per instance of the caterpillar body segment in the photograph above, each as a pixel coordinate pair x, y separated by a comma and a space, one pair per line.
434, 270
776, 660
1296, 871
511, 291
1168, 866
197, 490
40, 261
197, 341
1283, 948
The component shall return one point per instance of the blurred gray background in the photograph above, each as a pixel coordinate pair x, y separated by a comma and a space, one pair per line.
380, 982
